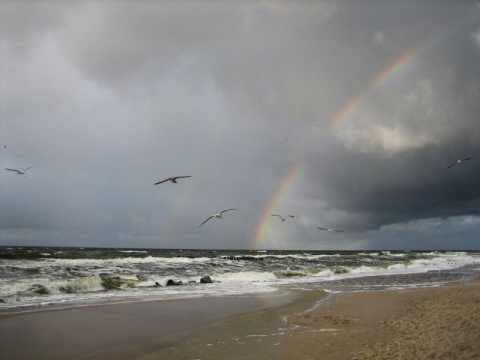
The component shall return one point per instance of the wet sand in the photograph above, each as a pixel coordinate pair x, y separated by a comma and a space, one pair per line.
117, 331
429, 323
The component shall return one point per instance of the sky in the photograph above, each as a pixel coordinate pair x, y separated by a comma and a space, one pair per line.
344, 114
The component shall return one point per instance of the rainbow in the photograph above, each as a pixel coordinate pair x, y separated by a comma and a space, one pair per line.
399, 64
182, 203
189, 188
392, 69
280, 193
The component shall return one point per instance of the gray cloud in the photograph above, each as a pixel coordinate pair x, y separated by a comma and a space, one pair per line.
105, 98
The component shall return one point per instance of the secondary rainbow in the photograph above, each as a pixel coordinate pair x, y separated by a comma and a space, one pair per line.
189, 188
280, 193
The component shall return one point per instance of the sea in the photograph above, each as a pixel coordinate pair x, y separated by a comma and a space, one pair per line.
35, 278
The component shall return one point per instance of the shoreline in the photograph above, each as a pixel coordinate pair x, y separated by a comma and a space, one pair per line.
431, 322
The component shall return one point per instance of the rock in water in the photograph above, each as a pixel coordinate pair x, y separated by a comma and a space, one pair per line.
206, 280
171, 282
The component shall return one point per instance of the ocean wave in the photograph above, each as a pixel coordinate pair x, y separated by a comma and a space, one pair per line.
78, 275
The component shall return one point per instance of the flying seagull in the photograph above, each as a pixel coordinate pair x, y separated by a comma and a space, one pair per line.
173, 179
19, 172
218, 216
283, 218
329, 230
459, 161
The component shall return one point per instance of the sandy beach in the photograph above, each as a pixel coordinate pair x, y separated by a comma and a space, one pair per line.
426, 323
429, 323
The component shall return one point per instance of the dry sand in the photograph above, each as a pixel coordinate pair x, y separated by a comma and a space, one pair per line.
428, 323
433, 323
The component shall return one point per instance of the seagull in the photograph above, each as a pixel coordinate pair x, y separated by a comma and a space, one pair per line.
329, 230
218, 216
19, 172
283, 218
173, 179
459, 161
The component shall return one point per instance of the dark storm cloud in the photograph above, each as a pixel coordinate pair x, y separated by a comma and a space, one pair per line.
106, 98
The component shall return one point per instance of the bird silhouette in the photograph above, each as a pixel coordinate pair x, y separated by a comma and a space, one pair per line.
329, 230
459, 161
218, 216
283, 218
19, 172
173, 179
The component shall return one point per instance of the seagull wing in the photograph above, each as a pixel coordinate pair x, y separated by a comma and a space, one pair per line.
277, 215
27, 168
337, 230
17, 171
226, 210
172, 179
321, 228
458, 161
206, 220
291, 216
167, 179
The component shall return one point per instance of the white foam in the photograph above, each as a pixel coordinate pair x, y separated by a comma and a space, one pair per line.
77, 280
246, 276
